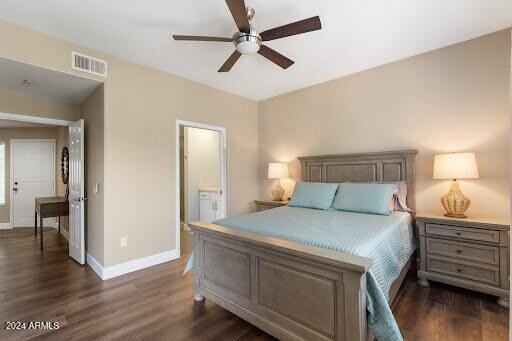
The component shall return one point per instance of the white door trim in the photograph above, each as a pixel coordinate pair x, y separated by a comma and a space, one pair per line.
11, 172
33, 119
223, 170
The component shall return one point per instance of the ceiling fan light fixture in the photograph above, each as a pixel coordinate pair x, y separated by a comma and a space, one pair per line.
248, 40
247, 43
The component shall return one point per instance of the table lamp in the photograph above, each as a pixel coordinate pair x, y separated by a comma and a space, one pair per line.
277, 170
455, 166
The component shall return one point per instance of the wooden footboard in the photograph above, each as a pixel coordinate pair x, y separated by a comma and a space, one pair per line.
290, 290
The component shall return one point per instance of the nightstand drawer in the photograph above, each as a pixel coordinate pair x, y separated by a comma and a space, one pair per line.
471, 252
460, 232
484, 274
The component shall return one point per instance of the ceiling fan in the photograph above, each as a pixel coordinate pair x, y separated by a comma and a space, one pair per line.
249, 41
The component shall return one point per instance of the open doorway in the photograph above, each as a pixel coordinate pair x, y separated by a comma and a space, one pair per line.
29, 158
31, 167
37, 192
201, 175
42, 159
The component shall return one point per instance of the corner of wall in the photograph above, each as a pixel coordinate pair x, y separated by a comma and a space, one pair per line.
260, 149
92, 111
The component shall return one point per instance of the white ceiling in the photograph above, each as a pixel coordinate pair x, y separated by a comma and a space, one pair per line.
356, 34
45, 82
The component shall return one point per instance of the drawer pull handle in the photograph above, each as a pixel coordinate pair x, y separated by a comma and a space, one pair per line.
458, 233
459, 251
459, 269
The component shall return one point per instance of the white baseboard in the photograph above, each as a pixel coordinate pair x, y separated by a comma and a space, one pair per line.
5, 226
95, 265
130, 266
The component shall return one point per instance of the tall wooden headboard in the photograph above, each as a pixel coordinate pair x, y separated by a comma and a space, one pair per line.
364, 167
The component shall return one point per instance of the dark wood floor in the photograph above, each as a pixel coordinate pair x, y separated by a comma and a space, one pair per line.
156, 303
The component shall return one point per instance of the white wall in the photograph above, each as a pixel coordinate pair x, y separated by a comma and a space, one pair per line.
202, 152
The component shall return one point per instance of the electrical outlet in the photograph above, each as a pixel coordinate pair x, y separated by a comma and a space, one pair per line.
124, 241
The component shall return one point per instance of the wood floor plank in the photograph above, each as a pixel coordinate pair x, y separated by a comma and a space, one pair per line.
440, 293
467, 304
495, 321
156, 303
433, 320
460, 327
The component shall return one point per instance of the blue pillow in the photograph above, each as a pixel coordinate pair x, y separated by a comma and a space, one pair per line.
364, 198
313, 195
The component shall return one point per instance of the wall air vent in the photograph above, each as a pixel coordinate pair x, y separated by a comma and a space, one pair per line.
88, 64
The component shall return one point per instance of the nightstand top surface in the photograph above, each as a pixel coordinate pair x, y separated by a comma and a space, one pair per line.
271, 202
505, 221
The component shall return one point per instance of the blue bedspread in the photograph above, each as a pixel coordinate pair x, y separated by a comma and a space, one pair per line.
387, 240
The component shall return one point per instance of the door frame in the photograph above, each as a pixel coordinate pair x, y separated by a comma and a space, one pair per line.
34, 119
223, 170
11, 172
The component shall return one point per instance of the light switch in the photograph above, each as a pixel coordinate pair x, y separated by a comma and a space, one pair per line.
96, 189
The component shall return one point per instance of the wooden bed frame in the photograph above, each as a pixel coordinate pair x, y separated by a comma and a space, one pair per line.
291, 290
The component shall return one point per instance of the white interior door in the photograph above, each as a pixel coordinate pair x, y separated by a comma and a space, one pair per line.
76, 192
32, 175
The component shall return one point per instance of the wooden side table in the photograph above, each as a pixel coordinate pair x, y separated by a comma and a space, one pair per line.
471, 253
48, 207
262, 205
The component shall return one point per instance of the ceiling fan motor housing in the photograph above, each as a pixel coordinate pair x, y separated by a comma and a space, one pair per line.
247, 43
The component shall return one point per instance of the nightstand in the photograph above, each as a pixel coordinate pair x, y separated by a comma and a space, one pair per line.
262, 205
471, 253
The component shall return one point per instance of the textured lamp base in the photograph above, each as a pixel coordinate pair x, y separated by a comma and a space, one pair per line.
454, 202
278, 192
454, 215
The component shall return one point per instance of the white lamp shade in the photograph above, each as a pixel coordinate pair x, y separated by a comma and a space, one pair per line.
277, 170
455, 166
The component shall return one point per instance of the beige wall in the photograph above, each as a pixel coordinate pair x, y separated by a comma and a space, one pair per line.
452, 99
140, 112
7, 134
93, 113
23, 104
142, 106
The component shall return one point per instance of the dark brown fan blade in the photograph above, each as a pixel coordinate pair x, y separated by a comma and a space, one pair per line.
230, 62
275, 57
239, 13
201, 38
298, 27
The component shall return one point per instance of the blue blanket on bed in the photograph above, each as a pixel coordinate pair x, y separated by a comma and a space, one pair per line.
387, 240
